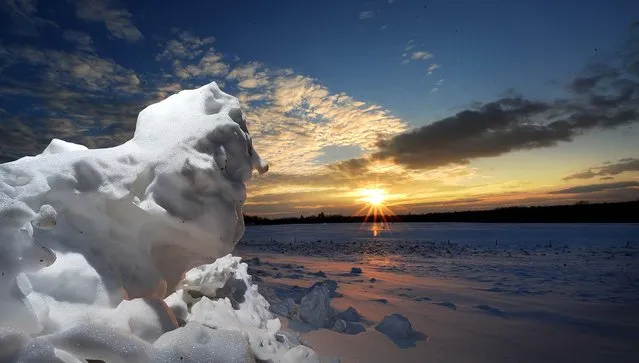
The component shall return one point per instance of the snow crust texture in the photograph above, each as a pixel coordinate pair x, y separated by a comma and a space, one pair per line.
93, 241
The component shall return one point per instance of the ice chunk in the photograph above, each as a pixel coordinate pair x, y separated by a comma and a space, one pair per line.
238, 301
286, 308
350, 314
331, 285
396, 326
354, 328
315, 308
210, 279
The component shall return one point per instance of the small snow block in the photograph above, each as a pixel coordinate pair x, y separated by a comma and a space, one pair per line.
350, 315
339, 326
347, 327
395, 326
447, 304
319, 274
354, 328
330, 284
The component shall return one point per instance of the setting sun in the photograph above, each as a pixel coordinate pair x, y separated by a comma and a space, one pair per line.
374, 197
374, 210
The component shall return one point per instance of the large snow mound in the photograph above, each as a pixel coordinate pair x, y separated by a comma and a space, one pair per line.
93, 240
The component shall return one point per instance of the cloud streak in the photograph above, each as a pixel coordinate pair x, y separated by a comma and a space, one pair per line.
365, 15
594, 188
622, 166
421, 55
417, 55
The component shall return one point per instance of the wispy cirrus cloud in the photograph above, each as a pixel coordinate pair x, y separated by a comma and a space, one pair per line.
365, 15
81, 39
432, 68
119, 22
421, 55
74, 70
192, 56
186, 46
294, 117
410, 55
76, 95
23, 17
250, 75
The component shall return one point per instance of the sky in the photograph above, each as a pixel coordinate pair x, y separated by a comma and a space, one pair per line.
435, 105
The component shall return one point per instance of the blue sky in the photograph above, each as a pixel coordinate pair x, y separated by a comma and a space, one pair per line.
483, 48
323, 81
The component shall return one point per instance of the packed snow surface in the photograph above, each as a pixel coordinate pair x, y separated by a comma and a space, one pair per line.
93, 241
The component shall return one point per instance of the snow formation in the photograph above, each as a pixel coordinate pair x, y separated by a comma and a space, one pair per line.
93, 241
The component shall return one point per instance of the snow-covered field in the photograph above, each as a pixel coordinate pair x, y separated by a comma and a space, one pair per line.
542, 293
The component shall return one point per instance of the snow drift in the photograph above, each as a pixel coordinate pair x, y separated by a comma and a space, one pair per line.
92, 241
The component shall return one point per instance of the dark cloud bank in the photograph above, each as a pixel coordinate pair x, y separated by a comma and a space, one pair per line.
603, 96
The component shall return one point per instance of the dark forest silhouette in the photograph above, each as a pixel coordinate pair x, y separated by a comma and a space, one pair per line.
582, 212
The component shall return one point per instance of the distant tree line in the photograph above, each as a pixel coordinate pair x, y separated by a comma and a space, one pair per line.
581, 212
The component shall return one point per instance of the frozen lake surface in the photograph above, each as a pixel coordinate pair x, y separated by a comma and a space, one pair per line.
542, 293
474, 234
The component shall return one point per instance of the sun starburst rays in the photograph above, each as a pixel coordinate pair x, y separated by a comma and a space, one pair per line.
374, 210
